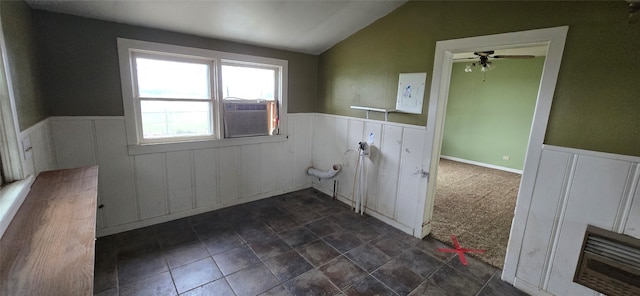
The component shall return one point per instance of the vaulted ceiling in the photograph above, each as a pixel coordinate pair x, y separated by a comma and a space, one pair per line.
308, 26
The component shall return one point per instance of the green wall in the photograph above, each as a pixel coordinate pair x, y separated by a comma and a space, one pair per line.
596, 104
490, 119
19, 38
81, 76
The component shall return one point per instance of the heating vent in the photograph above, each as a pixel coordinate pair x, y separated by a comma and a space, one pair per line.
609, 263
244, 118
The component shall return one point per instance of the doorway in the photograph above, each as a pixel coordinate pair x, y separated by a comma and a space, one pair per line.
554, 38
487, 126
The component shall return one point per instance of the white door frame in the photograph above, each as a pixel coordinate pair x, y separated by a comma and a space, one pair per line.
554, 38
9, 130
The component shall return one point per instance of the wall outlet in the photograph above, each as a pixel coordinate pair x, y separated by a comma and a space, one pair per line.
506, 157
26, 147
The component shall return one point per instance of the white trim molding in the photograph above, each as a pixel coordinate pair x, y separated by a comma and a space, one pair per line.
9, 143
554, 39
482, 164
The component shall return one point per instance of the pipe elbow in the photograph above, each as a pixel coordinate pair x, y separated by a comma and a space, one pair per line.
328, 174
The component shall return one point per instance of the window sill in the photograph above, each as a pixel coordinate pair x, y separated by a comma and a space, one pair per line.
196, 145
11, 198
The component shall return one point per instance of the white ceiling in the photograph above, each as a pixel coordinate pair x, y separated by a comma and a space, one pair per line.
308, 26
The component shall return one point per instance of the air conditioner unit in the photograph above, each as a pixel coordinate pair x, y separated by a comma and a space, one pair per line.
244, 118
609, 263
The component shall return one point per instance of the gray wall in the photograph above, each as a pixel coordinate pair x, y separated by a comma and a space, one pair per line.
19, 37
81, 77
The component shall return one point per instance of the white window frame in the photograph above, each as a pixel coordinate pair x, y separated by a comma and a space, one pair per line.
11, 195
277, 80
127, 48
211, 63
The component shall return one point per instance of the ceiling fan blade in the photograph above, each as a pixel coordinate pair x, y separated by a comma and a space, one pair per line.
513, 57
460, 59
484, 53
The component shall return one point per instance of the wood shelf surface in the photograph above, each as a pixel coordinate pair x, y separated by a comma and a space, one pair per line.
49, 246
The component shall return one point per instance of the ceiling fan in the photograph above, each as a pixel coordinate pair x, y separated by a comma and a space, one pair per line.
483, 60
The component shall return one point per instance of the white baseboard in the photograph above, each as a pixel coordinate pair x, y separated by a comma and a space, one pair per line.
529, 288
173, 216
486, 165
404, 228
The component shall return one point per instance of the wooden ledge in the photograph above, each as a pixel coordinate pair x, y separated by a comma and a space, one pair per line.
48, 249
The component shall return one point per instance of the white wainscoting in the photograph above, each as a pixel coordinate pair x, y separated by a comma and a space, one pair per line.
392, 170
144, 189
43, 156
42, 159
574, 188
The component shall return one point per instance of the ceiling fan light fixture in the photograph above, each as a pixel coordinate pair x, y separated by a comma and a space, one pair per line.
468, 68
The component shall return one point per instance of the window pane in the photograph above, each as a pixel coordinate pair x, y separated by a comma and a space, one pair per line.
163, 119
248, 83
167, 79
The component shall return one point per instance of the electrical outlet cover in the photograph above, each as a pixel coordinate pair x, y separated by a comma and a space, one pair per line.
26, 147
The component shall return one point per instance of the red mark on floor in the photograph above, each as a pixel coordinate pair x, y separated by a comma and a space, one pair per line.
459, 250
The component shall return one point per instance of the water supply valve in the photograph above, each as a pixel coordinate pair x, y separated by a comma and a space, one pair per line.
364, 148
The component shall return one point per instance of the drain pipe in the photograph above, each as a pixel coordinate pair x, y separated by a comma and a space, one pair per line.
328, 174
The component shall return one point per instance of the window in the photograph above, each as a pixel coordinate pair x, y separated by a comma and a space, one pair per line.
249, 98
175, 94
175, 97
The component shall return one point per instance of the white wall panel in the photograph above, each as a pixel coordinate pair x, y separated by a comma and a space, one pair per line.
115, 174
151, 185
180, 181
410, 177
336, 141
285, 156
228, 158
350, 158
322, 138
251, 174
632, 225
206, 176
372, 163
151, 188
545, 207
270, 168
574, 188
330, 147
302, 139
43, 153
73, 140
389, 169
594, 197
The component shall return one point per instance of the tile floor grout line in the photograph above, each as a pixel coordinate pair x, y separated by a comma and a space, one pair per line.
261, 212
485, 284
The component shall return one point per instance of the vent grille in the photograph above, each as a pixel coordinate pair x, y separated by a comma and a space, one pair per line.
245, 118
613, 250
609, 263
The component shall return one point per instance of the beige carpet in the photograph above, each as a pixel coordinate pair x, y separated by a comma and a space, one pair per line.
476, 204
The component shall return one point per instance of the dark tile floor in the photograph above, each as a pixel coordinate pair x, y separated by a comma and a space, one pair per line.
301, 243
